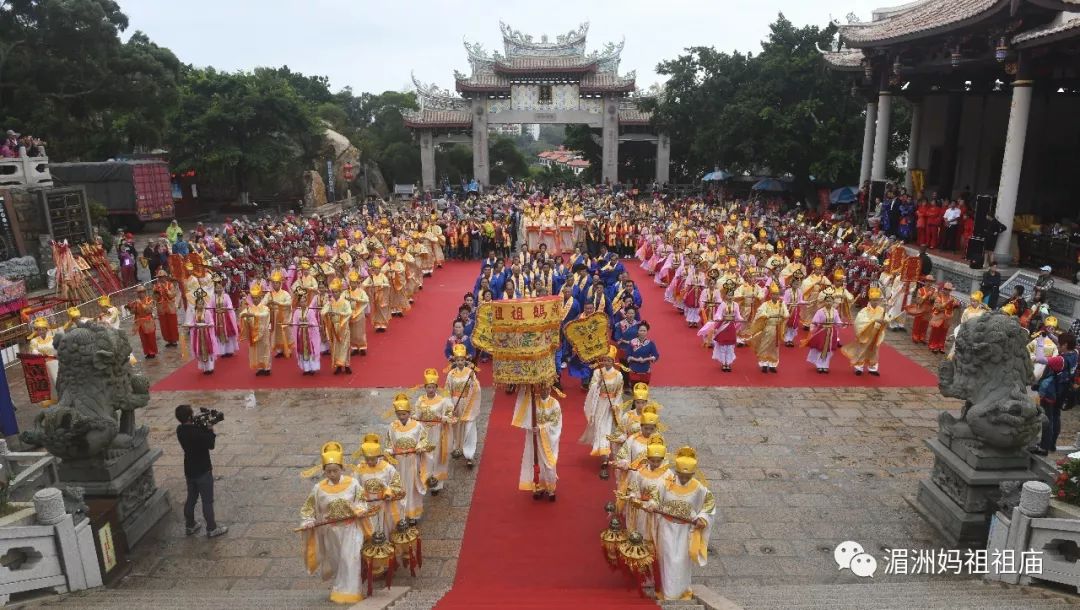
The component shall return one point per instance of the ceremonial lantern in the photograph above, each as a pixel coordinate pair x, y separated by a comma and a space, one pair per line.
406, 540
637, 557
379, 559
610, 540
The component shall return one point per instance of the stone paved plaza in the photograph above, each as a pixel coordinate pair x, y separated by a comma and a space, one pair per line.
794, 472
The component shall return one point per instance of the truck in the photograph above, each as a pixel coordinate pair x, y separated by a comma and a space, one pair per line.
134, 192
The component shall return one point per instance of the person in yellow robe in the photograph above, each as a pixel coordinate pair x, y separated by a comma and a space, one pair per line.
377, 286
358, 300
332, 523
406, 439
279, 302
767, 330
337, 316
436, 412
643, 484
870, 325
398, 276
684, 507
110, 315
463, 388
255, 329
810, 289
748, 295
41, 344
632, 452
605, 388
976, 308
381, 484
543, 434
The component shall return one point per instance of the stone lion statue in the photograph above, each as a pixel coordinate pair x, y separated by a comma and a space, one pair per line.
95, 381
991, 372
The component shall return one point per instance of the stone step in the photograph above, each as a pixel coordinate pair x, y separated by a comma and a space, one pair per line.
889, 596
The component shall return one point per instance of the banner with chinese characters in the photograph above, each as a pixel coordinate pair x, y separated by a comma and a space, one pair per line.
521, 335
589, 336
37, 377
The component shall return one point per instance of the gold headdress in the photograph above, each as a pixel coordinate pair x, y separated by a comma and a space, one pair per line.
686, 460
74, 313
401, 402
431, 377
459, 350
332, 453
641, 391
873, 293
656, 447
649, 416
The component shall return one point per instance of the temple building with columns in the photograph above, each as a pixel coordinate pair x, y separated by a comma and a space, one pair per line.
994, 88
535, 82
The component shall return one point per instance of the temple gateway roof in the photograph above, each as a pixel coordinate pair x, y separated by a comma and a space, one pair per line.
527, 60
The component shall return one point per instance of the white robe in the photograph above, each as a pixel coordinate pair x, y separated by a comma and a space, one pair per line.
464, 390
335, 547
381, 483
605, 391
676, 541
434, 413
549, 420
403, 441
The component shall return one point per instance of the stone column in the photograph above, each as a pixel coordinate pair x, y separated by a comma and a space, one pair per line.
1011, 164
881, 137
609, 141
868, 143
663, 158
427, 160
913, 143
481, 167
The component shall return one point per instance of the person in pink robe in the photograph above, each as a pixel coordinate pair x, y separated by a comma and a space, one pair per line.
199, 322
724, 328
824, 334
226, 330
305, 332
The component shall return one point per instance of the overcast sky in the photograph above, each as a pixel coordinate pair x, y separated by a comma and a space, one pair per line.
371, 45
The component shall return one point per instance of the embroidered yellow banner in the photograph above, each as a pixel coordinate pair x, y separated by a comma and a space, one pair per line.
521, 335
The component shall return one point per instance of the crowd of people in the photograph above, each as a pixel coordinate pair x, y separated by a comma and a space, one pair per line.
17, 145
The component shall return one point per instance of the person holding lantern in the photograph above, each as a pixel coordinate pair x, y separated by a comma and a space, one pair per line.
436, 412
632, 451
684, 509
332, 525
643, 485
407, 441
381, 484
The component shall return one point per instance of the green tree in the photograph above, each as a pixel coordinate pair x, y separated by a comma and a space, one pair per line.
238, 127
583, 139
506, 160
66, 76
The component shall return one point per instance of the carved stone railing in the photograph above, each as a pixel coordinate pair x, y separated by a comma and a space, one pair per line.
25, 171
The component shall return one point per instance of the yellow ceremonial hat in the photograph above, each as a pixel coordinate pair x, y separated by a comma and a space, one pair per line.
779, 244
1050, 322
649, 415
1009, 309
189, 266
401, 402
103, 300
342, 242
256, 290
612, 351
354, 276
431, 376
459, 350
321, 251
333, 453
370, 445
818, 262
762, 233
797, 252
392, 251
304, 264
74, 313
746, 223
976, 296
41, 323
686, 461
655, 447
276, 276
838, 274
774, 289
885, 264
641, 391
874, 293
335, 284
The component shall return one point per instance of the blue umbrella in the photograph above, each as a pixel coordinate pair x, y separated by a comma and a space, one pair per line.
768, 184
844, 194
716, 176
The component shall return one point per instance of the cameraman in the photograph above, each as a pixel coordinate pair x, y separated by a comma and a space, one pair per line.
197, 441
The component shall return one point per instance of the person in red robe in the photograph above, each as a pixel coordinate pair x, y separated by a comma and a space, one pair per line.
921, 308
165, 298
922, 213
143, 310
967, 225
934, 219
940, 318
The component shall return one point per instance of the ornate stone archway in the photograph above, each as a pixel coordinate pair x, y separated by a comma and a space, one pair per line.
535, 81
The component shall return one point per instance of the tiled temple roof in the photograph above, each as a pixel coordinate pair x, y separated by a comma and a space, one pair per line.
921, 20
438, 118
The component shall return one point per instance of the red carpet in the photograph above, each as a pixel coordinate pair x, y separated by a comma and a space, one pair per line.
684, 362
395, 358
523, 553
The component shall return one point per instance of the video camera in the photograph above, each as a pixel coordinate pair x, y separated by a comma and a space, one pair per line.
207, 417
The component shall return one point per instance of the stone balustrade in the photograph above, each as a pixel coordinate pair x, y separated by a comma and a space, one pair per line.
25, 171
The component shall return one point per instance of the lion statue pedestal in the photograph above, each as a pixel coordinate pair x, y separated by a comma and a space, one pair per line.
991, 371
92, 427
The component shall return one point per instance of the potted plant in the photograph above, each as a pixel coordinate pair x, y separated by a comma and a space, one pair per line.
1065, 500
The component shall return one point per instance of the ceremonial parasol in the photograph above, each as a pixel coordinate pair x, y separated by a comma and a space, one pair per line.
769, 184
844, 194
